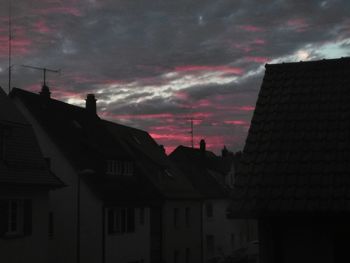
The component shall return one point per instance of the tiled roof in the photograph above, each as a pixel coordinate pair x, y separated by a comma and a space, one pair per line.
297, 153
23, 163
88, 142
205, 172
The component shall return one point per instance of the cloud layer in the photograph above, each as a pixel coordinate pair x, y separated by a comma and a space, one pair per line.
157, 64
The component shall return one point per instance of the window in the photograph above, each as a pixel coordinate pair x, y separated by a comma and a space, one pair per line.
128, 168
115, 167
233, 241
176, 217
209, 210
187, 215
15, 217
51, 229
121, 220
142, 216
210, 244
188, 255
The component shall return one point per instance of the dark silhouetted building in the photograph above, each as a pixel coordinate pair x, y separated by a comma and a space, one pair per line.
213, 176
25, 182
294, 174
125, 201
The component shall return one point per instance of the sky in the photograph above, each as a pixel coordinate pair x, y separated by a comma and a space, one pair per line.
157, 64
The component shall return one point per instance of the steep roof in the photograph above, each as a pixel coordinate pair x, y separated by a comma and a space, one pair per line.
297, 154
22, 162
88, 142
205, 171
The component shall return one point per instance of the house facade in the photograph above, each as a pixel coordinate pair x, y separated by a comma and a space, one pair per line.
120, 187
212, 175
294, 172
25, 182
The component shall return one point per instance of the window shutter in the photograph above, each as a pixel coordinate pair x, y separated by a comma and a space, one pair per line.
131, 219
27, 222
110, 219
3, 216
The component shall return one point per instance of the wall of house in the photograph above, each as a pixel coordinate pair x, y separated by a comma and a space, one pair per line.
91, 225
130, 247
33, 247
62, 245
228, 234
176, 240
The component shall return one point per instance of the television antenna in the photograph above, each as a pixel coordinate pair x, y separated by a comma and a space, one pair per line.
10, 45
44, 71
192, 130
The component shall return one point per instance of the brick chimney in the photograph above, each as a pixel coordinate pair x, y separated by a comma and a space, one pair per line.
45, 92
90, 104
202, 146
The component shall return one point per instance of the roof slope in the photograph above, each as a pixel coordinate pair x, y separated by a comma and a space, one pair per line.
23, 163
297, 153
205, 172
88, 142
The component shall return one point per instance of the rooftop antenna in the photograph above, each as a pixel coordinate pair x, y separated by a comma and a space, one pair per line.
44, 71
10, 44
192, 130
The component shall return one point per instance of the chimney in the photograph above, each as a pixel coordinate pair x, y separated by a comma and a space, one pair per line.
45, 92
90, 104
202, 146
224, 152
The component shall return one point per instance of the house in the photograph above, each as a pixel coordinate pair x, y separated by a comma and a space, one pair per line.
25, 182
213, 176
294, 174
125, 201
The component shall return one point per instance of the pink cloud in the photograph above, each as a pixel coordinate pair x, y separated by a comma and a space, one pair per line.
257, 59
237, 122
251, 28
226, 69
60, 10
42, 27
298, 24
259, 41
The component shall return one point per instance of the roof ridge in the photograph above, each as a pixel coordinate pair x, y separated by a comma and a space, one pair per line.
51, 99
309, 62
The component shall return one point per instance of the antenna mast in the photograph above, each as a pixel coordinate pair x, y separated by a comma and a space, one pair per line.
44, 71
191, 132
10, 44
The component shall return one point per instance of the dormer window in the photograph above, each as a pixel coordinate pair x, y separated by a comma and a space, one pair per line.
128, 168
117, 167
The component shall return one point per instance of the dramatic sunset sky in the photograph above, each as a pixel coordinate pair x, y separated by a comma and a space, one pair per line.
154, 64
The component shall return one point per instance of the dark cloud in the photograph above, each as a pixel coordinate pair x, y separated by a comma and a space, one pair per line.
170, 59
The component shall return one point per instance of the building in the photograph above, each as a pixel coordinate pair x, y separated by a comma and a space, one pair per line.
25, 182
213, 176
125, 202
294, 175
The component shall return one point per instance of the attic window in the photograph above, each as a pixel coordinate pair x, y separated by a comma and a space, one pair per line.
168, 173
116, 167
136, 139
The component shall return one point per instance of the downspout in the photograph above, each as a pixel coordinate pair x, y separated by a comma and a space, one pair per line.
78, 218
201, 218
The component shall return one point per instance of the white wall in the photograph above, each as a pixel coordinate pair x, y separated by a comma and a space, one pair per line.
222, 228
181, 237
129, 247
34, 247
